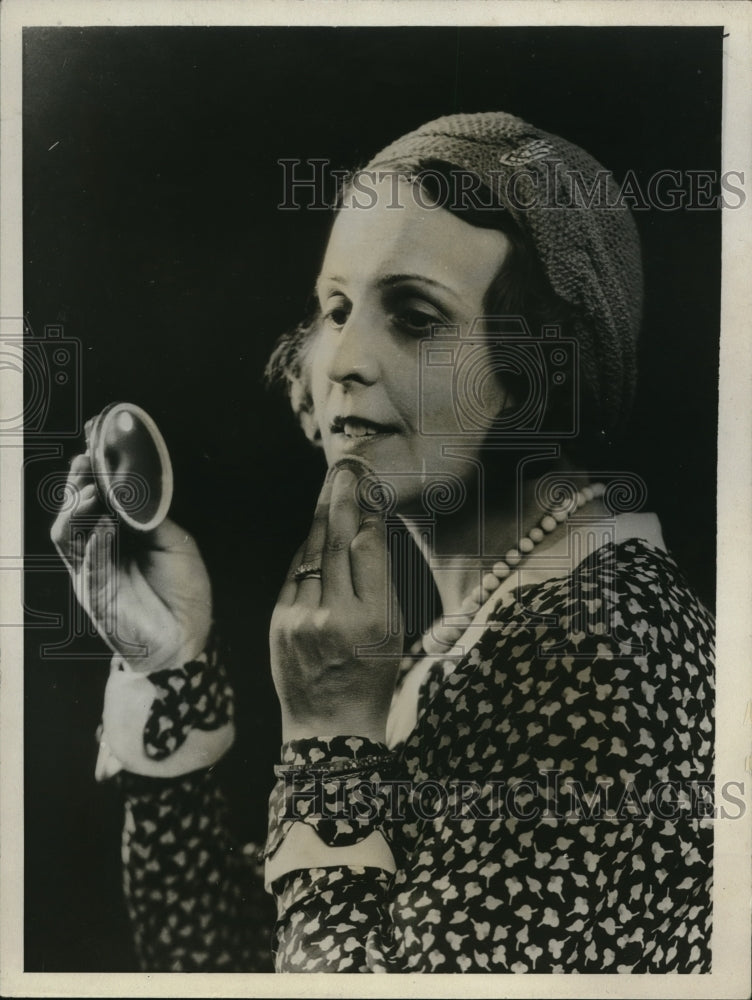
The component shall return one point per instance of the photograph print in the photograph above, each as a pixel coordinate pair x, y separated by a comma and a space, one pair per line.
370, 441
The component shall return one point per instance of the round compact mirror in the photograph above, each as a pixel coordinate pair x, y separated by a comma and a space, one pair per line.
131, 465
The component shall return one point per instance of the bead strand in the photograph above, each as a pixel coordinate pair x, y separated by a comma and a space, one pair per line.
441, 637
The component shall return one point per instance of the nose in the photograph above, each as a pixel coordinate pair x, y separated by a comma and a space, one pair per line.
355, 356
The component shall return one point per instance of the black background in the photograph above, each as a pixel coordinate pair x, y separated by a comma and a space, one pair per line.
151, 234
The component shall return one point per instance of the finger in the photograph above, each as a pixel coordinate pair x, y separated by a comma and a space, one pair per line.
88, 427
314, 543
309, 588
342, 526
71, 530
369, 560
81, 504
290, 586
81, 488
99, 574
80, 470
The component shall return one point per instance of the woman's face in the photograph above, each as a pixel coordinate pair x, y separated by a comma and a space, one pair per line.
390, 275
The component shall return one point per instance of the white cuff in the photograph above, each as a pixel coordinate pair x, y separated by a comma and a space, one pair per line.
128, 699
302, 848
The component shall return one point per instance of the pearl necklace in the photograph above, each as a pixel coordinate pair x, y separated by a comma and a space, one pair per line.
441, 637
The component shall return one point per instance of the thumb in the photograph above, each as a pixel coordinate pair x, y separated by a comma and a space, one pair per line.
170, 537
99, 573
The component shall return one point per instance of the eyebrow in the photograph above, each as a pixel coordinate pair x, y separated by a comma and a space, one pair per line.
389, 280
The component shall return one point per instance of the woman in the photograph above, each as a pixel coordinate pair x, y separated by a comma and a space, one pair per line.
522, 791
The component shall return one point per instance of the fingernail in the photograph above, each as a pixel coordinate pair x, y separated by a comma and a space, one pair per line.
354, 465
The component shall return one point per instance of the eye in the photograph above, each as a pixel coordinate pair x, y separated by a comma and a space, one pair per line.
336, 312
418, 319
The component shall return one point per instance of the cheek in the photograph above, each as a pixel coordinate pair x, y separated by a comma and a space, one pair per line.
316, 366
408, 375
461, 389
436, 391
478, 388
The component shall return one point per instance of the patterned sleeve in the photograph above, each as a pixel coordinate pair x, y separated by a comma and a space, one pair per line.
195, 898
339, 787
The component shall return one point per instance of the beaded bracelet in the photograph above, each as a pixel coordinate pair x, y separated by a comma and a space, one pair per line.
355, 766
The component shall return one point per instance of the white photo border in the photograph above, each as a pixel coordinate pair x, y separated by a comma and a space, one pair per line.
733, 840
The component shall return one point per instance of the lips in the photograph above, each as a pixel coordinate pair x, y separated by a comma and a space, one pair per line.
359, 428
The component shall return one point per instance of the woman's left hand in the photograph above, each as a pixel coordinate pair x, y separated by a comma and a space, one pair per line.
326, 681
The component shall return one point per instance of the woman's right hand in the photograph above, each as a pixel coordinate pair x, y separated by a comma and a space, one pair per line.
324, 625
148, 596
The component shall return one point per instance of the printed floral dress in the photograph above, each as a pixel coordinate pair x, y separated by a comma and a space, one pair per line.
550, 811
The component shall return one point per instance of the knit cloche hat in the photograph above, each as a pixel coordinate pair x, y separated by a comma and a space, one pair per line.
568, 205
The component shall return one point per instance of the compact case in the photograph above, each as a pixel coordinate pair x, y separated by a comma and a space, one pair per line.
131, 465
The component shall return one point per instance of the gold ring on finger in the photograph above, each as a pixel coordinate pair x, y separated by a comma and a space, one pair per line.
307, 571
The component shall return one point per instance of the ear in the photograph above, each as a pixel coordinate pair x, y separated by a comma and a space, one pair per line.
310, 427
302, 405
